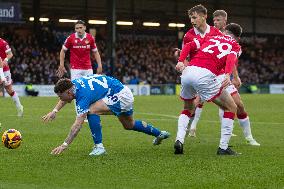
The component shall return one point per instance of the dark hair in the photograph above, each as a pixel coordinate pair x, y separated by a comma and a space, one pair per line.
198, 9
80, 22
234, 29
63, 85
220, 13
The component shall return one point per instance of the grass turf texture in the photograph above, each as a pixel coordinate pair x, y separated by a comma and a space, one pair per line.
132, 161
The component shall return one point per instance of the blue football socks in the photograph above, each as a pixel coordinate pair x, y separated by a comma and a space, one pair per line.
95, 127
143, 127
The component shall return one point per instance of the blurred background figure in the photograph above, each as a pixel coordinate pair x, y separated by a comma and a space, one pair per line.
30, 90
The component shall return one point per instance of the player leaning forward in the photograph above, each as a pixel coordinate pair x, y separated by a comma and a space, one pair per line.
96, 95
215, 53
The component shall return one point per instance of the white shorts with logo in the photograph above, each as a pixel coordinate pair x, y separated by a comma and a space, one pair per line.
8, 77
77, 73
196, 80
231, 89
121, 103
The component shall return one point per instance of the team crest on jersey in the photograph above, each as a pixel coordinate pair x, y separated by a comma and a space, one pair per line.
87, 41
76, 40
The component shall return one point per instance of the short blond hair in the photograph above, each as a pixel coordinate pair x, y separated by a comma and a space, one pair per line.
220, 13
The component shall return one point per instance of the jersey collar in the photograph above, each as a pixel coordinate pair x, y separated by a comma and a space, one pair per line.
76, 35
206, 31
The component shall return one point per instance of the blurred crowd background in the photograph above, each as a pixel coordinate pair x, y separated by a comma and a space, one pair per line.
140, 58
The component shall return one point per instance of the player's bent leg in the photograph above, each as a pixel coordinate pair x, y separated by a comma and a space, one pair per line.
100, 108
140, 126
97, 108
16, 100
225, 101
196, 117
183, 121
244, 120
96, 130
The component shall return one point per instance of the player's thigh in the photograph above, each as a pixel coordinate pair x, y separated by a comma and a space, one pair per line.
226, 102
188, 82
77, 73
238, 101
120, 103
208, 87
99, 108
9, 80
127, 121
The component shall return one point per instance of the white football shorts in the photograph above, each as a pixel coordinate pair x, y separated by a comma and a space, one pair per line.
196, 80
231, 89
8, 77
77, 73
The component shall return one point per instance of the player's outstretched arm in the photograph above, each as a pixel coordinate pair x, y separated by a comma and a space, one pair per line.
77, 125
236, 81
61, 69
51, 115
9, 55
2, 76
99, 62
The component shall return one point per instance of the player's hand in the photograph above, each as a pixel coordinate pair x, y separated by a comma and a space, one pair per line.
61, 71
5, 63
180, 66
237, 82
2, 80
176, 52
58, 150
49, 117
226, 82
99, 69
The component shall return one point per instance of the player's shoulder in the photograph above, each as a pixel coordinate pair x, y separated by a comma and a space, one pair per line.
190, 33
2, 41
72, 36
215, 31
89, 36
189, 36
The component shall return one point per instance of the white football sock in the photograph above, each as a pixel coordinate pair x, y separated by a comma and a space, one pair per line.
183, 121
221, 114
245, 124
196, 118
16, 100
226, 132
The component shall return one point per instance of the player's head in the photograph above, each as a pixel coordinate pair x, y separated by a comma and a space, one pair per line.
234, 30
64, 89
220, 19
80, 27
198, 16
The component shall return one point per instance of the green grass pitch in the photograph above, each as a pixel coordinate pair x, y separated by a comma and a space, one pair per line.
132, 161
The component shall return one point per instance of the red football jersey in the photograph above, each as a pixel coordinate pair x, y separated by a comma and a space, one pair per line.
80, 49
212, 52
194, 33
4, 49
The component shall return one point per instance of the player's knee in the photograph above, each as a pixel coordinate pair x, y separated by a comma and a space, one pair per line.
233, 108
128, 125
10, 91
240, 107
